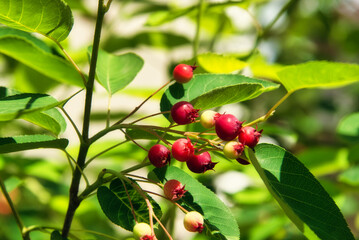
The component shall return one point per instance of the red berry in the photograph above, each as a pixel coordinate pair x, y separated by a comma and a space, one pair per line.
227, 127
159, 155
183, 73
184, 113
182, 149
173, 189
249, 136
233, 149
193, 222
200, 163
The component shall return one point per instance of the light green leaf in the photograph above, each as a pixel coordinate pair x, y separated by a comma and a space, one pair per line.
318, 74
115, 203
220, 223
206, 91
37, 55
260, 68
51, 18
16, 106
27, 142
300, 194
116, 72
350, 176
216, 63
348, 127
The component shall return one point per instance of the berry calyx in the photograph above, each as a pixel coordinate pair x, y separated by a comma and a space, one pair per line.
193, 222
208, 118
183, 73
142, 231
159, 155
233, 149
242, 161
182, 149
249, 136
174, 189
200, 163
183, 113
227, 127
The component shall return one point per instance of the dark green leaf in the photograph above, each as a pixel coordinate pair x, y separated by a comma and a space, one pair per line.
348, 127
16, 106
300, 195
52, 18
318, 74
116, 72
219, 219
37, 55
27, 142
56, 235
115, 204
206, 91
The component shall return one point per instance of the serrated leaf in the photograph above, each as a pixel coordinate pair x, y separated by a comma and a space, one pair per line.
115, 204
348, 127
35, 54
219, 219
115, 72
16, 106
52, 18
216, 63
206, 91
299, 193
318, 74
27, 142
56, 235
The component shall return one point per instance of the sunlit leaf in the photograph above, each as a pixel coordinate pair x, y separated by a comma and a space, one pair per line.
300, 195
27, 142
37, 55
215, 63
220, 223
348, 127
350, 176
52, 18
318, 74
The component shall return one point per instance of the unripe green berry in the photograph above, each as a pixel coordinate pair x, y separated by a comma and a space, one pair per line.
233, 149
193, 222
208, 118
142, 231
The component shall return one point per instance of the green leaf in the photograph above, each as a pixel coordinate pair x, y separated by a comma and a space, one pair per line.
56, 235
219, 219
115, 204
206, 91
318, 74
348, 127
299, 193
18, 105
34, 53
216, 63
350, 176
52, 18
27, 142
116, 72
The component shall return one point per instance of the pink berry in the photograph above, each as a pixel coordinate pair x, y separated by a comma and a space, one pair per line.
249, 136
159, 155
183, 73
142, 231
227, 127
184, 113
200, 163
173, 190
208, 118
182, 149
233, 149
193, 222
